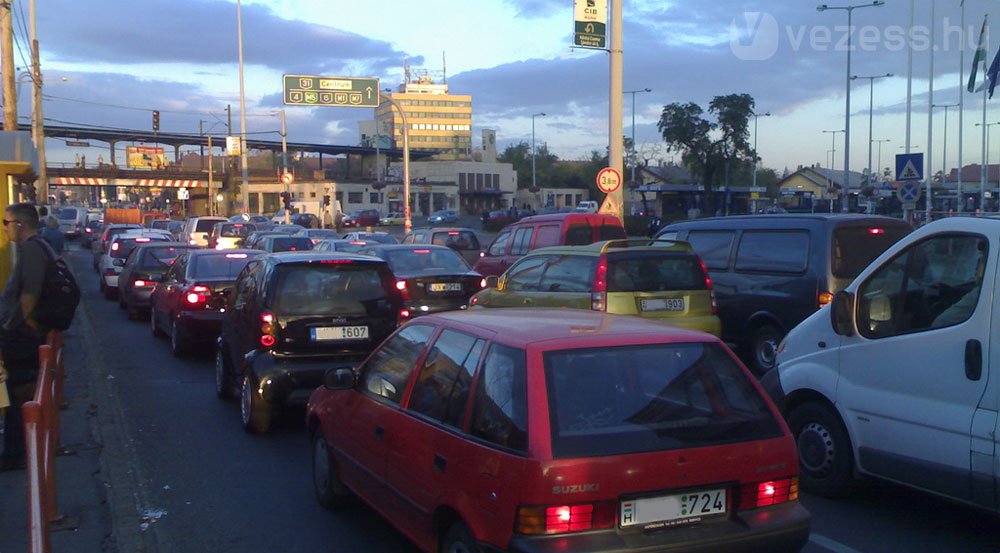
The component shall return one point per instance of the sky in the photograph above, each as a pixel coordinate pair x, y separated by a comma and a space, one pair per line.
109, 63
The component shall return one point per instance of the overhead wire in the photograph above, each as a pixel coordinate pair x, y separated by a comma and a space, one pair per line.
134, 108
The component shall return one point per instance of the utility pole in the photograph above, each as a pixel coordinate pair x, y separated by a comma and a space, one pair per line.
7, 64
211, 183
614, 203
245, 186
201, 148
38, 126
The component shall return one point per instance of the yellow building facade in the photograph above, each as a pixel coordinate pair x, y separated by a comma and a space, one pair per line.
438, 121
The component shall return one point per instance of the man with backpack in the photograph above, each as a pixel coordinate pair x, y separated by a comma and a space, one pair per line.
20, 332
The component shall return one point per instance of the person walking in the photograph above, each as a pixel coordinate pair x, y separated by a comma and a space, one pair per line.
20, 333
53, 235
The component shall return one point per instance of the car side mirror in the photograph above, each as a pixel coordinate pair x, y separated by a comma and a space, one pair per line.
841, 313
492, 281
339, 379
118, 262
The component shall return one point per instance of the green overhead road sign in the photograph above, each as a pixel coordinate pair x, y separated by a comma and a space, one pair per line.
312, 90
591, 23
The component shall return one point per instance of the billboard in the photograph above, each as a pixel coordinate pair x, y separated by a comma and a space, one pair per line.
144, 157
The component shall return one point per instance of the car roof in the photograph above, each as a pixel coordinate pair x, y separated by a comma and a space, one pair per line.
197, 252
612, 246
563, 216
396, 247
521, 327
284, 258
443, 229
764, 219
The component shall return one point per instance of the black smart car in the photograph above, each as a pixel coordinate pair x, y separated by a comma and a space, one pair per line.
291, 318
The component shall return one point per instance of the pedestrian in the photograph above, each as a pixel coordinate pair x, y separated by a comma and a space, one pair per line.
100, 160
654, 224
20, 333
486, 217
338, 221
53, 235
327, 219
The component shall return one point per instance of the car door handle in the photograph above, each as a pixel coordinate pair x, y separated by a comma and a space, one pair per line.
973, 360
379, 432
440, 463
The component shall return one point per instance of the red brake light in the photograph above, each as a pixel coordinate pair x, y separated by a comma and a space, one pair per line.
876, 231
267, 318
140, 283
769, 492
404, 313
357, 243
400, 285
421, 251
236, 256
267, 340
142, 239
599, 296
114, 247
193, 298
453, 233
482, 283
562, 519
200, 289
708, 286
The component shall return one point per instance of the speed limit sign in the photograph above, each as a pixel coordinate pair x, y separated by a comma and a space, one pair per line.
609, 180
287, 178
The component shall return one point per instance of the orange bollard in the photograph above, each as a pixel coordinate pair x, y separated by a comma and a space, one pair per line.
54, 339
45, 397
38, 527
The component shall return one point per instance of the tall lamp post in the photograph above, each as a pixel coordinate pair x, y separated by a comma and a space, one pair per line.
245, 186
407, 220
533, 115
755, 156
880, 141
833, 160
847, 111
871, 104
944, 148
986, 170
633, 93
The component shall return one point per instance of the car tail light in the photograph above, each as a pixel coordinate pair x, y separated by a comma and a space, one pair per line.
404, 314
236, 256
268, 329
599, 294
876, 231
482, 283
143, 240
709, 287
198, 294
824, 298
768, 492
421, 251
482, 254
474, 300
403, 289
114, 247
453, 233
561, 519
139, 283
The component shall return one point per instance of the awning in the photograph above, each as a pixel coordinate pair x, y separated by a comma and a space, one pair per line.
149, 183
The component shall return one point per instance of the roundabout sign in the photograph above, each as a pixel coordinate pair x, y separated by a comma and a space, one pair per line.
609, 180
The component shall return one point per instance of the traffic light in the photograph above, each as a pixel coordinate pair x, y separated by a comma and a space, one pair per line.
156, 120
326, 200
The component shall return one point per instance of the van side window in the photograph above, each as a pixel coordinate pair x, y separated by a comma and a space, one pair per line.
499, 245
773, 251
712, 246
524, 276
499, 414
932, 284
569, 273
442, 387
522, 240
579, 234
386, 372
547, 235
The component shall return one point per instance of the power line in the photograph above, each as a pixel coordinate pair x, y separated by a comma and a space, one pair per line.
134, 108
18, 14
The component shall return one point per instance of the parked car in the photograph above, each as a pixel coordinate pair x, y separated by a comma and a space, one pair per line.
542, 231
894, 380
587, 206
227, 235
275, 243
443, 216
431, 278
362, 218
306, 220
197, 229
292, 317
144, 267
393, 219
107, 233
662, 280
462, 240
190, 299
558, 430
317, 234
111, 263
346, 246
772, 271
377, 236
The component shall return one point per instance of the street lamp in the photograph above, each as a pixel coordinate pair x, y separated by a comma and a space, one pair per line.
833, 160
871, 103
755, 156
986, 164
633, 93
880, 151
944, 149
245, 186
847, 113
533, 115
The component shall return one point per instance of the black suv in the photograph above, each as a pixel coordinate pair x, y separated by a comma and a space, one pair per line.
291, 318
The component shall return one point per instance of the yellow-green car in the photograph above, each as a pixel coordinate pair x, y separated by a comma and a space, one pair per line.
656, 279
392, 219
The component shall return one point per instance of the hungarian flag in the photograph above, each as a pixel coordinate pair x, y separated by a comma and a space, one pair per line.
980, 56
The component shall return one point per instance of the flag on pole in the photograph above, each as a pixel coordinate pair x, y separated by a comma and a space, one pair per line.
980, 57
993, 72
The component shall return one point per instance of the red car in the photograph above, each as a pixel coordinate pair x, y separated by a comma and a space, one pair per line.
362, 218
558, 430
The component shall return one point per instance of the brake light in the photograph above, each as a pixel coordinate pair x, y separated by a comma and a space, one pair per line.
267, 340
768, 492
404, 313
142, 239
267, 318
114, 247
335, 261
357, 243
403, 288
197, 294
421, 251
268, 329
824, 298
708, 286
876, 231
482, 254
141, 283
599, 295
561, 519
482, 283
453, 233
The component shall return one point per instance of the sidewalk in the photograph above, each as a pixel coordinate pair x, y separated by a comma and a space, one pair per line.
93, 482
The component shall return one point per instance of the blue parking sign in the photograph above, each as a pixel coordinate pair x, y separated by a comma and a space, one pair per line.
909, 167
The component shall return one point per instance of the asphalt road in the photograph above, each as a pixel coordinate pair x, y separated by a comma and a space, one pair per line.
203, 484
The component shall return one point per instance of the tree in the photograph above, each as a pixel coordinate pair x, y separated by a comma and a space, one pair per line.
705, 146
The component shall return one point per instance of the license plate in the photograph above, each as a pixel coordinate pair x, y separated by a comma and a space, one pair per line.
675, 304
673, 510
446, 287
339, 333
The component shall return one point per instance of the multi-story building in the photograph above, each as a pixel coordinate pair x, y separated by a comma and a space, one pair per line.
438, 121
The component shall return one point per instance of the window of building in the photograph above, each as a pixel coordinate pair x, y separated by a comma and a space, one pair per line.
355, 197
479, 181
373, 198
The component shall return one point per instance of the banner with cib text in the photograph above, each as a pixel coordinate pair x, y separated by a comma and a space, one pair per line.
590, 23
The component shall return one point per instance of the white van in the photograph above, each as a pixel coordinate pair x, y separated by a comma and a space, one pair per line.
587, 206
197, 229
72, 220
899, 378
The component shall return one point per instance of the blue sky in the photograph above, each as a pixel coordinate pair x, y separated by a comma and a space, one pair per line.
122, 59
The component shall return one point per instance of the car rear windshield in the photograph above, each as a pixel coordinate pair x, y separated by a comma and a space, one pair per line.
641, 398
126, 245
331, 289
854, 248
457, 239
236, 230
160, 224
67, 214
654, 272
158, 259
380, 238
205, 225
348, 246
291, 244
425, 261
218, 266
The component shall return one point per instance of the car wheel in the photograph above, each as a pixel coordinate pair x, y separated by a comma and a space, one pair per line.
330, 491
223, 378
109, 292
254, 411
121, 301
764, 349
178, 339
132, 313
459, 539
154, 328
826, 461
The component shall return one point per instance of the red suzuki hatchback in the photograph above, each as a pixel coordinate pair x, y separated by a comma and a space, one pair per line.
558, 430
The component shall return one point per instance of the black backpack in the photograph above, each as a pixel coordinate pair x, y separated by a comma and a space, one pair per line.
60, 293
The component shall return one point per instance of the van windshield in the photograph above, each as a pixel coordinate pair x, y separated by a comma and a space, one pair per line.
854, 248
634, 399
67, 214
654, 272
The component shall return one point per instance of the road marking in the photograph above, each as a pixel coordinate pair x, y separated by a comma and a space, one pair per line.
832, 545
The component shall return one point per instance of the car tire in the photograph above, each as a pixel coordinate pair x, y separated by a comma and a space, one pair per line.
178, 339
154, 327
331, 492
223, 376
459, 539
254, 411
132, 313
826, 461
121, 301
110, 293
763, 348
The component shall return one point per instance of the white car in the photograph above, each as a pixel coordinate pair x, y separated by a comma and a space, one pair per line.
898, 377
111, 262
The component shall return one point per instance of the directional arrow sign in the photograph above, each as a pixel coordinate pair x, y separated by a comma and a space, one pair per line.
591, 23
909, 167
312, 90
